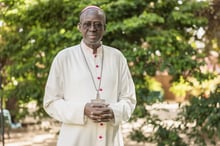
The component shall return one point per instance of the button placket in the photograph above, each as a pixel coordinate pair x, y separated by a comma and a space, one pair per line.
101, 127
101, 139
98, 69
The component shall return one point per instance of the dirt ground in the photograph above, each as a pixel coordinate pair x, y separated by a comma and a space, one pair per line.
24, 137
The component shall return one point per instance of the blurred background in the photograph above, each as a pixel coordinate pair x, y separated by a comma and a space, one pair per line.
172, 48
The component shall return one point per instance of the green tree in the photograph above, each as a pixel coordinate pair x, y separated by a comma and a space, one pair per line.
213, 28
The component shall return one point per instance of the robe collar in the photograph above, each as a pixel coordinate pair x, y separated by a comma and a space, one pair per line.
90, 50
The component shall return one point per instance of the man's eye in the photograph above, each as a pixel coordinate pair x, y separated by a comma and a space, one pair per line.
98, 25
87, 25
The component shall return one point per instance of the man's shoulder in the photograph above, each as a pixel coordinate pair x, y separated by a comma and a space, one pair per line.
66, 53
113, 50
68, 50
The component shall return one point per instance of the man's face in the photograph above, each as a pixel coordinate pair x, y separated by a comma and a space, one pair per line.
92, 27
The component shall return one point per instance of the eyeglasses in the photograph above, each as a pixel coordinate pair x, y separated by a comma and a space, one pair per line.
96, 25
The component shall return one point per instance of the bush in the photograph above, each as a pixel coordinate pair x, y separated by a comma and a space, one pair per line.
201, 119
198, 123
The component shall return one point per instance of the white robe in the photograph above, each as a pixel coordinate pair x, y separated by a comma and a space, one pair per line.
69, 87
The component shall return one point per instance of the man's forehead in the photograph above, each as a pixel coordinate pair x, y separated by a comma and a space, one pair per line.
92, 9
92, 16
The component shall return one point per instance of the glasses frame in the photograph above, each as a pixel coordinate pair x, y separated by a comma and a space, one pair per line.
96, 25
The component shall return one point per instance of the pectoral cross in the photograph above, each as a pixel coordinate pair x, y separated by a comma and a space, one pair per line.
98, 99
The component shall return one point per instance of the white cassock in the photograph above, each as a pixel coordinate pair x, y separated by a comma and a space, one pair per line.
69, 87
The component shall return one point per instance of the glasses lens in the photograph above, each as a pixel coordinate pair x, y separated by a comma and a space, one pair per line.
86, 25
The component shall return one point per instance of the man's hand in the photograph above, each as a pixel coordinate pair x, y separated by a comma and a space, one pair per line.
99, 112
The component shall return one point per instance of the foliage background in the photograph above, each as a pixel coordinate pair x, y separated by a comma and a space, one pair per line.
155, 36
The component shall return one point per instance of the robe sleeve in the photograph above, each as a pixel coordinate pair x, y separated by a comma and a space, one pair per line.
126, 95
69, 112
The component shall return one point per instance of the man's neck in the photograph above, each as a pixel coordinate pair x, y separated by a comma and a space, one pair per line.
94, 47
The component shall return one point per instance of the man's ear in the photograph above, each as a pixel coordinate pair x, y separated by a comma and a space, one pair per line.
78, 26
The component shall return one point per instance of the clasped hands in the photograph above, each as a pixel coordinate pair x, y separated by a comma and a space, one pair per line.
99, 112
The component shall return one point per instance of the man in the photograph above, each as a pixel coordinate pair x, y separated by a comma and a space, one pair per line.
89, 88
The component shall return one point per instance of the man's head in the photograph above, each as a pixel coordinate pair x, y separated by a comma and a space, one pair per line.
92, 25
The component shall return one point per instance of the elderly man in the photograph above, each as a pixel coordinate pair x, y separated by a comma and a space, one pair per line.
90, 88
